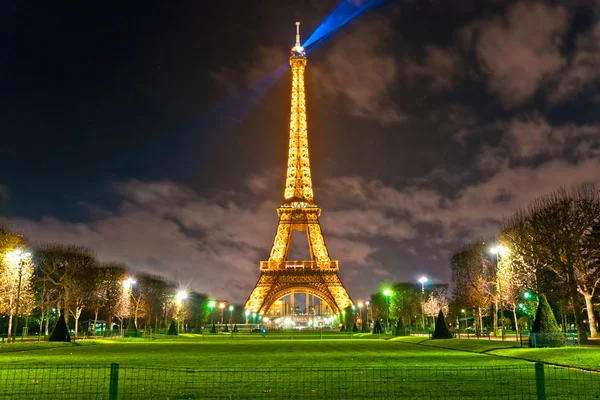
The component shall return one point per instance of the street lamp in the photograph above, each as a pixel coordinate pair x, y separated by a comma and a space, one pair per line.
423, 279
247, 314
128, 285
22, 257
230, 314
464, 317
387, 293
211, 306
222, 307
499, 250
181, 296
360, 306
368, 318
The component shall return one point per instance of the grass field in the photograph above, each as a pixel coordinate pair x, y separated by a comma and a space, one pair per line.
279, 367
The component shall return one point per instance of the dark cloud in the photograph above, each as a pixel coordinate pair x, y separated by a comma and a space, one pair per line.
520, 50
583, 70
4, 192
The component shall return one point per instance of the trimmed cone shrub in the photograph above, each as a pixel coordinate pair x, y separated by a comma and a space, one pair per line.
354, 328
226, 328
545, 328
343, 328
213, 328
60, 332
131, 330
172, 329
365, 327
399, 328
377, 327
235, 329
441, 330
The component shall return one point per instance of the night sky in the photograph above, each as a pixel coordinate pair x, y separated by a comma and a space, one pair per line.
156, 132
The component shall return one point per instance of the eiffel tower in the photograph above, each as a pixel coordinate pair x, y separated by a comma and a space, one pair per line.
279, 276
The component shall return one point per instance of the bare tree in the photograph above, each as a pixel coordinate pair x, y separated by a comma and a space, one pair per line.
110, 289
563, 224
473, 279
11, 266
66, 267
437, 300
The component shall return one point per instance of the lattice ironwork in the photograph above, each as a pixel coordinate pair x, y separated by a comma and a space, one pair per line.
319, 276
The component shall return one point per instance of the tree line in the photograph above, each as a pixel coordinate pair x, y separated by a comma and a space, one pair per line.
550, 247
66, 281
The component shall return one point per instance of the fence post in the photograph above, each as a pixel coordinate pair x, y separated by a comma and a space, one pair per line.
540, 383
114, 381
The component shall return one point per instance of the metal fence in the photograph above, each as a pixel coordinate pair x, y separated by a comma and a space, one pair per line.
112, 382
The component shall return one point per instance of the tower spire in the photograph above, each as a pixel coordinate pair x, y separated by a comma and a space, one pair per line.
298, 183
298, 34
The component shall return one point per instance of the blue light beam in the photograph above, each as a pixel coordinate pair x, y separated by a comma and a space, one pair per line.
343, 13
184, 150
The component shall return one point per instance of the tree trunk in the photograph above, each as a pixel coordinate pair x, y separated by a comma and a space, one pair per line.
516, 321
591, 317
109, 324
478, 322
41, 324
47, 323
496, 318
95, 322
10, 320
576, 310
76, 316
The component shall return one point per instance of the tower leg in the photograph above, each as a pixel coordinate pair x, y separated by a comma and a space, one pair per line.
293, 309
307, 304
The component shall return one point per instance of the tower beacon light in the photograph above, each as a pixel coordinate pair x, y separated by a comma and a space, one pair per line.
297, 50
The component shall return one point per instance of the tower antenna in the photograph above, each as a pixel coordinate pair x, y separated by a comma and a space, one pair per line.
298, 34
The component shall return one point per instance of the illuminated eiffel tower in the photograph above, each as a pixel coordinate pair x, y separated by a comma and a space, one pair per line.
279, 276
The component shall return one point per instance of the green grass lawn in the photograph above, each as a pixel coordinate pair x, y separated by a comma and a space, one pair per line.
251, 366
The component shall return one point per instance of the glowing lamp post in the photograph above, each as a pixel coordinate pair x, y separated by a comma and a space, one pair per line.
423, 280
211, 306
247, 314
499, 250
180, 297
368, 317
22, 257
360, 306
464, 317
222, 307
387, 293
230, 315
128, 285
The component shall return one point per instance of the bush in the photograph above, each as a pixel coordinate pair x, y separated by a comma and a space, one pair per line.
235, 329
545, 328
172, 329
441, 330
213, 328
377, 327
226, 328
354, 328
343, 328
60, 332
